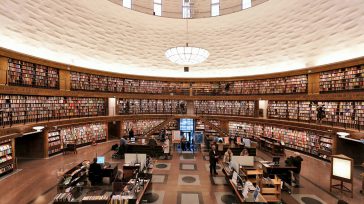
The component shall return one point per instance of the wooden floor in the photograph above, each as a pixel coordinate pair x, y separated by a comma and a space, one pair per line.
180, 180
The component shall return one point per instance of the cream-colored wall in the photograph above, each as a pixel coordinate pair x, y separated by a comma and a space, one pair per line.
229, 6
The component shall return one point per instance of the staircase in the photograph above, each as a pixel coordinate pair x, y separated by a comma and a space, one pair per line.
158, 127
218, 129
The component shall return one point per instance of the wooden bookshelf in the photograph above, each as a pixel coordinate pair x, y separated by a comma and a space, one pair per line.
338, 113
140, 127
317, 144
343, 79
55, 144
84, 134
243, 108
151, 106
7, 156
278, 109
17, 109
22, 73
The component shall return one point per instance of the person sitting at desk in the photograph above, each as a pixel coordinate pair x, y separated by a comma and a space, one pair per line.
123, 146
95, 173
228, 155
232, 139
183, 143
244, 152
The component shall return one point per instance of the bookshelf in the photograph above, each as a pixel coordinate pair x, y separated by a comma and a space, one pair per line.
82, 135
241, 129
151, 106
317, 144
278, 109
17, 109
343, 79
139, 127
22, 73
7, 161
54, 142
293, 109
280, 85
243, 108
338, 113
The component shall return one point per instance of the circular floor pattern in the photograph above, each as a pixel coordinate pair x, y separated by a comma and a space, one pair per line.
228, 199
308, 200
188, 179
150, 197
161, 166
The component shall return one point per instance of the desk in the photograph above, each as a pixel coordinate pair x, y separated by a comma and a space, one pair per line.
280, 170
110, 171
271, 145
249, 198
138, 147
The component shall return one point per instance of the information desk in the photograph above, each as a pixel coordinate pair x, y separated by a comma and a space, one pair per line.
282, 170
138, 147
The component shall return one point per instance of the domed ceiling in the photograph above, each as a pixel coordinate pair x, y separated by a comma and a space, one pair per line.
279, 35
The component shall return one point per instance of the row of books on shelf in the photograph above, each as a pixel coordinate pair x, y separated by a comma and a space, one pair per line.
22, 109
349, 78
6, 168
30, 74
144, 106
79, 134
344, 112
91, 82
139, 127
245, 108
5, 158
306, 141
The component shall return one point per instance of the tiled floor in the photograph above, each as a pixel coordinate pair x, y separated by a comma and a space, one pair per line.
36, 183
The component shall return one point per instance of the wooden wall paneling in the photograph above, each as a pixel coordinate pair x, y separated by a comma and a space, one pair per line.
313, 83
30, 146
13, 153
3, 70
45, 138
64, 80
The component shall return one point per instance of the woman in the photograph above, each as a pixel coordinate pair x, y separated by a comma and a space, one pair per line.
228, 155
244, 152
166, 147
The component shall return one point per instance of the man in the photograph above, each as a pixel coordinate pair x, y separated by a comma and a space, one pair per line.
123, 146
152, 144
131, 133
213, 159
94, 174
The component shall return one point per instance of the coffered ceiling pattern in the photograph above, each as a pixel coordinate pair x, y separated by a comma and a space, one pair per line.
279, 35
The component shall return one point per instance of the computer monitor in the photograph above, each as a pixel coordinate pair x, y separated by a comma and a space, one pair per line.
276, 160
100, 160
247, 142
132, 140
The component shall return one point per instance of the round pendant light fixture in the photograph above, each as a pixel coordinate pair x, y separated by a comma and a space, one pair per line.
186, 55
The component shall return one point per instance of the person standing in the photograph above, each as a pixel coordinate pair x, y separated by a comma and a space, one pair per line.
213, 160
131, 133
166, 147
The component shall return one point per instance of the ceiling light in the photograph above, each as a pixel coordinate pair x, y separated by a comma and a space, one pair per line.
186, 55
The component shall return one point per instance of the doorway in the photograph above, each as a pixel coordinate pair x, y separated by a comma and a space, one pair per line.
187, 128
